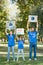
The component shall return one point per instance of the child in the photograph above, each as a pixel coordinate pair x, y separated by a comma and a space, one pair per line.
11, 44
33, 40
20, 47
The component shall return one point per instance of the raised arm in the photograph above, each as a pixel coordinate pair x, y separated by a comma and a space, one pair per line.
14, 31
37, 27
17, 38
36, 30
6, 32
28, 27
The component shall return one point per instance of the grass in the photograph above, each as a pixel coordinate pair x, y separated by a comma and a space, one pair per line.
39, 61
3, 59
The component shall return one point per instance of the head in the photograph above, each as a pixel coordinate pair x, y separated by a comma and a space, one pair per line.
32, 29
10, 32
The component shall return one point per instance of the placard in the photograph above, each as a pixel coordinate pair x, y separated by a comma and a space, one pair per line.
32, 18
10, 25
20, 31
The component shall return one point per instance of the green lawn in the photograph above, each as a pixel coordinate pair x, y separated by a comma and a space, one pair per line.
39, 61
3, 58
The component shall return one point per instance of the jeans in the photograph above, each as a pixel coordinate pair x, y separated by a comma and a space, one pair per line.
9, 52
20, 50
32, 45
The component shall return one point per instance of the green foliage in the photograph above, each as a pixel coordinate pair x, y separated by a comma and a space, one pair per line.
3, 17
27, 7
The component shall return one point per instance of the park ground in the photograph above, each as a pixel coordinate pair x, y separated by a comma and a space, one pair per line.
39, 61
3, 56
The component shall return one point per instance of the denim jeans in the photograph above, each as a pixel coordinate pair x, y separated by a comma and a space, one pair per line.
32, 45
20, 50
12, 52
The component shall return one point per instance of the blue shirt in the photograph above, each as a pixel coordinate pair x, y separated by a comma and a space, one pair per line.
11, 41
32, 36
20, 44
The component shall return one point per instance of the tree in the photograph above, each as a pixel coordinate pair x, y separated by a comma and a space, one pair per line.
3, 17
27, 7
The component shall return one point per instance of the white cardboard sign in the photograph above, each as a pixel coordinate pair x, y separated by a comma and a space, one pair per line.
20, 31
10, 25
32, 18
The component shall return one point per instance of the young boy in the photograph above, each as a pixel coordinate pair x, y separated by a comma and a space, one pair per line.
33, 40
11, 44
20, 47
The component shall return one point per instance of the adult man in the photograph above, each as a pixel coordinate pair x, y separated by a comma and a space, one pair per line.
33, 40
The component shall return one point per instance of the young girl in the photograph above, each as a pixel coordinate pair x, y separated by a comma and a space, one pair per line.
20, 47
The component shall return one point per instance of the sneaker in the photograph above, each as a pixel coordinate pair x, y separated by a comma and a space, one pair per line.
30, 59
14, 60
24, 59
7, 60
35, 58
17, 60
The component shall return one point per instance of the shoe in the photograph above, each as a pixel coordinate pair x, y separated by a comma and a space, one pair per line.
30, 59
7, 60
13, 59
17, 60
24, 59
35, 58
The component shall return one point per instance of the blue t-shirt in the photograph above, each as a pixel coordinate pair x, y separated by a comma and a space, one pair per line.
32, 36
20, 44
11, 41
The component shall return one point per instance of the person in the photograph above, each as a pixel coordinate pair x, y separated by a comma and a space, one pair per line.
11, 44
32, 35
20, 47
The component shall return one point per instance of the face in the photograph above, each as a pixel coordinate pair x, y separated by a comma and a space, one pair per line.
32, 29
10, 32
